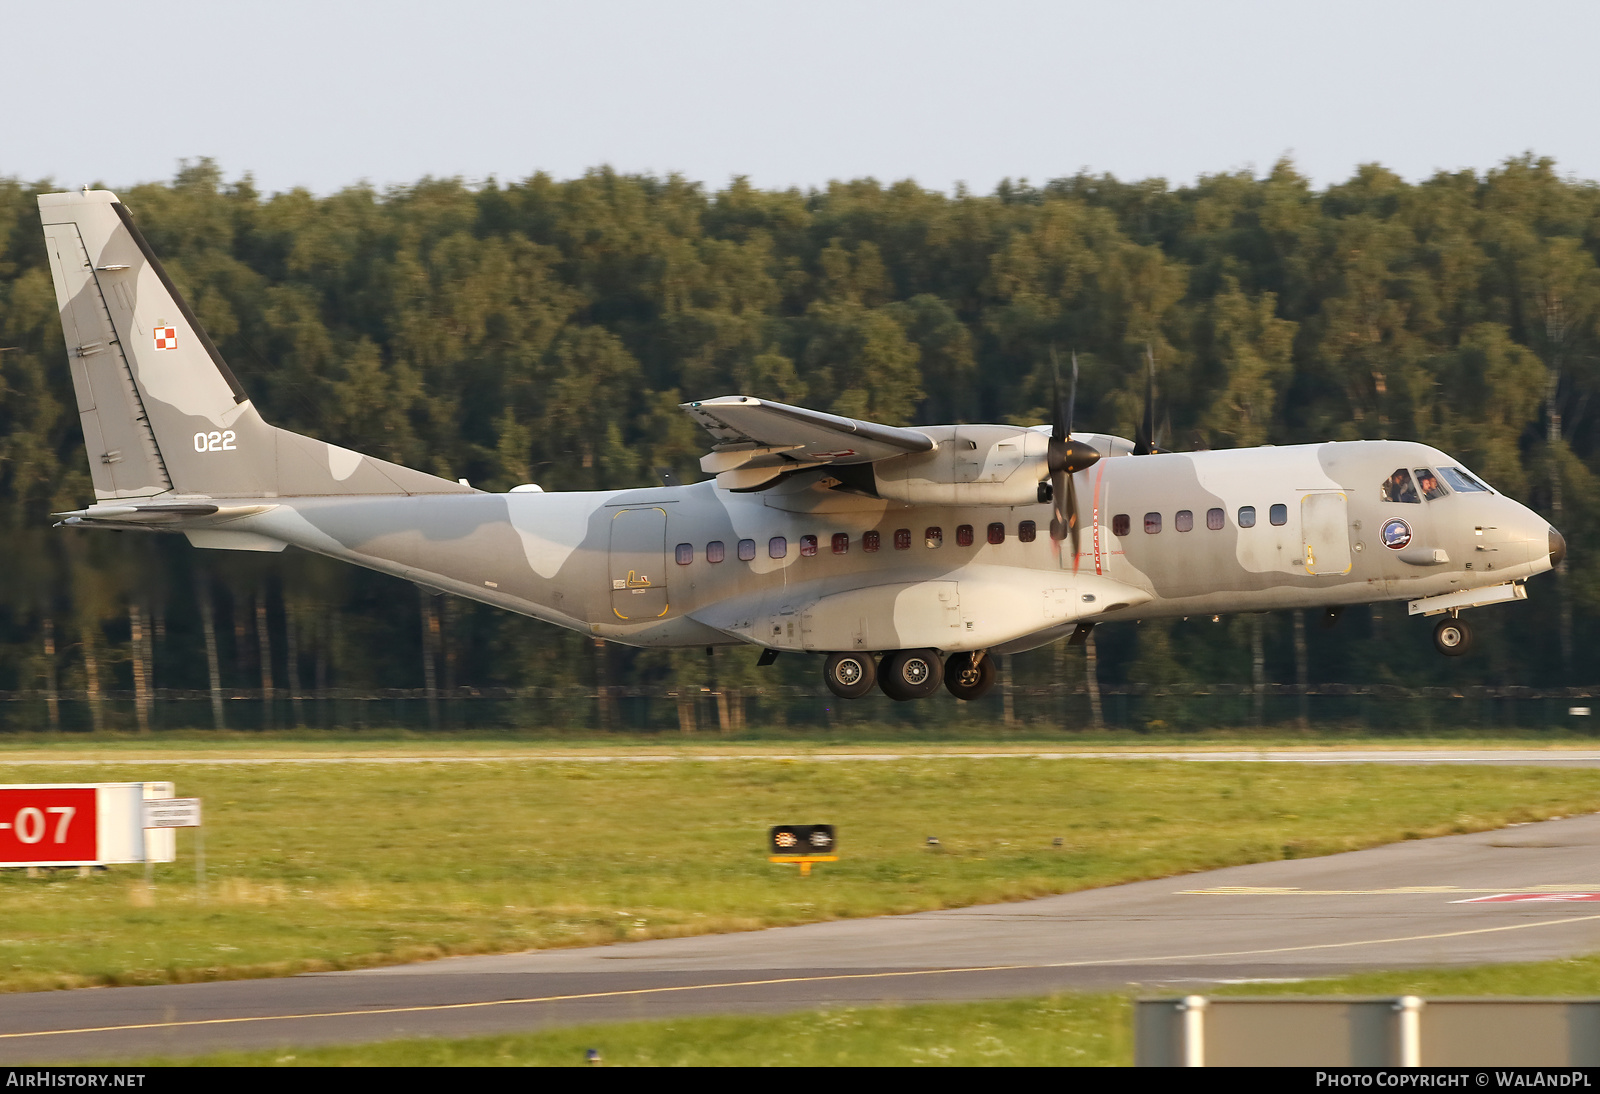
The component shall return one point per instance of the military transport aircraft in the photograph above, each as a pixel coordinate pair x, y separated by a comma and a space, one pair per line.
906, 557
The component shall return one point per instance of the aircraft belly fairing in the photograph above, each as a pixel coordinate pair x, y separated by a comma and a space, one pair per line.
972, 608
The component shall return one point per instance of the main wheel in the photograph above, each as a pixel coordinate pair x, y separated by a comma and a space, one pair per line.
1452, 637
968, 680
910, 674
849, 675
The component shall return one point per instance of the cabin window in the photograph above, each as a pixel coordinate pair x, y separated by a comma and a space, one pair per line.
1462, 480
1120, 524
902, 539
715, 551
1431, 486
1214, 519
933, 537
1279, 515
841, 543
964, 536
1397, 487
1027, 531
684, 553
869, 541
1247, 516
1152, 523
1183, 521
777, 547
808, 546
747, 550
997, 532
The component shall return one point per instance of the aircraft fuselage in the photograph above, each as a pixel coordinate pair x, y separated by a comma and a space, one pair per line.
637, 566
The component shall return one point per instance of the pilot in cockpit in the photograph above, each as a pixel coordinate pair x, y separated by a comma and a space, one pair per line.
1397, 487
1429, 483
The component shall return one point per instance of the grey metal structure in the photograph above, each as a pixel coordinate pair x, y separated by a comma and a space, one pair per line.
907, 556
1335, 1031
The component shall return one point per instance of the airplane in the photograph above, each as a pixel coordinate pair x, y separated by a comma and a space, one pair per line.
906, 558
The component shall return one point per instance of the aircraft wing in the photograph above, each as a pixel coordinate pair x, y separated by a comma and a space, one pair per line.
759, 440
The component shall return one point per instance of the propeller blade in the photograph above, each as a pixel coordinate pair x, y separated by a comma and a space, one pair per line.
1064, 514
1072, 518
1144, 437
1060, 485
1072, 398
1066, 458
1060, 427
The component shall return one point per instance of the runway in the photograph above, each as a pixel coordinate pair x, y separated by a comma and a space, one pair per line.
1529, 892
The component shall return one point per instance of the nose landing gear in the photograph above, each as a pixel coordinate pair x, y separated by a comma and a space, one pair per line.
1452, 637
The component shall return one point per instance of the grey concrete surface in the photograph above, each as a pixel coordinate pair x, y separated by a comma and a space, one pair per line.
1388, 907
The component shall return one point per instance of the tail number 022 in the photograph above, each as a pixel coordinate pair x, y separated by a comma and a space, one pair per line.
215, 442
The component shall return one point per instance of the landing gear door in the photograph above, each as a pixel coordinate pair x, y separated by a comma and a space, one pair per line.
639, 564
1325, 533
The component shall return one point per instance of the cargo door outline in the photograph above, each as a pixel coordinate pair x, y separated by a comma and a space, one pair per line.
1325, 533
638, 566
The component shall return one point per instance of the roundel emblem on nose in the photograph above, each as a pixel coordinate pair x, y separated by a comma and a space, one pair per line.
1396, 534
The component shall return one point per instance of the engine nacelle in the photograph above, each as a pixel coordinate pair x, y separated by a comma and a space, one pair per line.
971, 465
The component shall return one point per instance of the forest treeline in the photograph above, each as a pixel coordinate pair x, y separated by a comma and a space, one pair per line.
545, 331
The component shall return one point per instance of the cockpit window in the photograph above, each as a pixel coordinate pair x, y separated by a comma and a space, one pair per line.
1462, 480
1431, 486
1398, 487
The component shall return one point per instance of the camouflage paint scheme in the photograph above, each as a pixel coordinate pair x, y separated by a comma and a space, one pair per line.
175, 445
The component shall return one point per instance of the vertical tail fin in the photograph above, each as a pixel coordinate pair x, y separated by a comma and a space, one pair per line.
162, 412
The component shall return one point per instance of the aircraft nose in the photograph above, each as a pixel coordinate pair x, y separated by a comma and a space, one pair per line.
1558, 548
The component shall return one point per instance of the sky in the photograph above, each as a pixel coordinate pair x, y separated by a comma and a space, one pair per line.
328, 94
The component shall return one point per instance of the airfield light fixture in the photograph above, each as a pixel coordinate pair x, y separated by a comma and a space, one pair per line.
803, 844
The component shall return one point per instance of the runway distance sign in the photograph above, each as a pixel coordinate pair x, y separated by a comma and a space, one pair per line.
172, 813
48, 825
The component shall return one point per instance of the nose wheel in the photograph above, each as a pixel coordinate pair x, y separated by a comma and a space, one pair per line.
849, 675
1452, 637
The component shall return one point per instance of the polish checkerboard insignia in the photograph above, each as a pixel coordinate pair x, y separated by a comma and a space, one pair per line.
166, 337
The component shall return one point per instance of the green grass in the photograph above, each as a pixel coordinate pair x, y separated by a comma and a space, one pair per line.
342, 866
1066, 1029
765, 738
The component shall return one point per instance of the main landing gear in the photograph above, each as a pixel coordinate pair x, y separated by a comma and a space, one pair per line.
904, 675
1452, 637
910, 674
969, 675
849, 675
